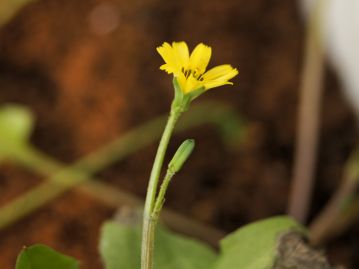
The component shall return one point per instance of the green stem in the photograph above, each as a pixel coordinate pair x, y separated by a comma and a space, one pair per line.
161, 195
149, 223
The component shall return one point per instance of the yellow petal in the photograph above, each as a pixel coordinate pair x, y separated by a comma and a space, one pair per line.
219, 75
189, 83
169, 56
181, 81
182, 54
199, 58
169, 69
192, 84
166, 52
215, 84
224, 71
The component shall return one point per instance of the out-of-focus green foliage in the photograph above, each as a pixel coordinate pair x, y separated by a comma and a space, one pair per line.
8, 8
254, 246
16, 124
120, 247
43, 257
233, 131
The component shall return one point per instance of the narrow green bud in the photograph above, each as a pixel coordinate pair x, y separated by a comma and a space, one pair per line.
181, 156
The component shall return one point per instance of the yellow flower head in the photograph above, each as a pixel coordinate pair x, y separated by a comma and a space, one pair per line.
190, 69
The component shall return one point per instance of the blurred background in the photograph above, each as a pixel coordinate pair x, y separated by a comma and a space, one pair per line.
89, 71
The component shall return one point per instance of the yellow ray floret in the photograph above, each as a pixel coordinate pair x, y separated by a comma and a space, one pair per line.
190, 69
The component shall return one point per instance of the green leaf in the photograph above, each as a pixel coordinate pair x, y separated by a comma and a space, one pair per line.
43, 257
254, 246
16, 124
120, 248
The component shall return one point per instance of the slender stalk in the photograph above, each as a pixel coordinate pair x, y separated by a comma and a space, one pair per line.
347, 219
308, 120
320, 229
149, 223
161, 195
340, 208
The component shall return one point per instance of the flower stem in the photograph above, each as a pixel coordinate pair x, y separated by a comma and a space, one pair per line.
161, 195
149, 220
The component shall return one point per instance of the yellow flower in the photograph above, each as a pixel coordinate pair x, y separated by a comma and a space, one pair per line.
190, 69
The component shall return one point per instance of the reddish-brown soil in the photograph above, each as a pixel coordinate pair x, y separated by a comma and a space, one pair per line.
89, 82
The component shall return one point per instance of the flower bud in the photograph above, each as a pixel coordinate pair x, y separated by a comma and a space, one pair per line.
181, 155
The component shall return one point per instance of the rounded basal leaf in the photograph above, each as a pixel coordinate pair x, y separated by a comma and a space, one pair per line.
43, 257
16, 124
254, 246
120, 248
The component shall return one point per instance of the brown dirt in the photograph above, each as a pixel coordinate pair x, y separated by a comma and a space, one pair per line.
88, 83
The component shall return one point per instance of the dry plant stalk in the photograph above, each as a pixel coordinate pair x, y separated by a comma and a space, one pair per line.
308, 120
